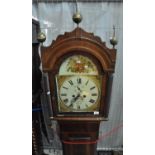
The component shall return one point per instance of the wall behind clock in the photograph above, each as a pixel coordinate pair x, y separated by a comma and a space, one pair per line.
99, 18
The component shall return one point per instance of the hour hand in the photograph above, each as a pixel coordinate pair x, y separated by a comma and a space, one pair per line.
75, 98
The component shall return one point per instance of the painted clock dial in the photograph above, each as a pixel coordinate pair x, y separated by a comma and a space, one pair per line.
78, 85
78, 93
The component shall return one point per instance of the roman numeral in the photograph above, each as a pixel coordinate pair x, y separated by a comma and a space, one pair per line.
70, 82
93, 94
63, 94
79, 80
92, 88
86, 82
91, 101
64, 87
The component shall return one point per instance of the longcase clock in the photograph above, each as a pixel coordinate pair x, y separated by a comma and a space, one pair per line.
79, 67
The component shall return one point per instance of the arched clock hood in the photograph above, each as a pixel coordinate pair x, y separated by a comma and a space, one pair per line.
78, 40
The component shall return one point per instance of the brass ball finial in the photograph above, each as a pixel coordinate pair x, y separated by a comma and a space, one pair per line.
41, 37
77, 18
113, 40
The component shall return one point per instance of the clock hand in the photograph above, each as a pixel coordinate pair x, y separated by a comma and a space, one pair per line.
74, 99
79, 89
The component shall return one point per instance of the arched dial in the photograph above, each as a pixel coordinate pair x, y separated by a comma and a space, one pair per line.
78, 93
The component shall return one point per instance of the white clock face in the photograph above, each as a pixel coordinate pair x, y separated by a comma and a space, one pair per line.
79, 93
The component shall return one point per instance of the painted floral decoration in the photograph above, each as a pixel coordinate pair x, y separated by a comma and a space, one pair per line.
80, 64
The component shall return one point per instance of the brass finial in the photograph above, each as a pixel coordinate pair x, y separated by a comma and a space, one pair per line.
113, 40
41, 37
77, 17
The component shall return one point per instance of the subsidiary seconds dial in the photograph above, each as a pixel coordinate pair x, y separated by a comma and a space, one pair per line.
79, 93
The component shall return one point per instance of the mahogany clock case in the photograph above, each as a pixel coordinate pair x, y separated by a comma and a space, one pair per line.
79, 42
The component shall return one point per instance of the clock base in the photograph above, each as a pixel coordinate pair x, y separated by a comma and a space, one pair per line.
79, 149
79, 138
